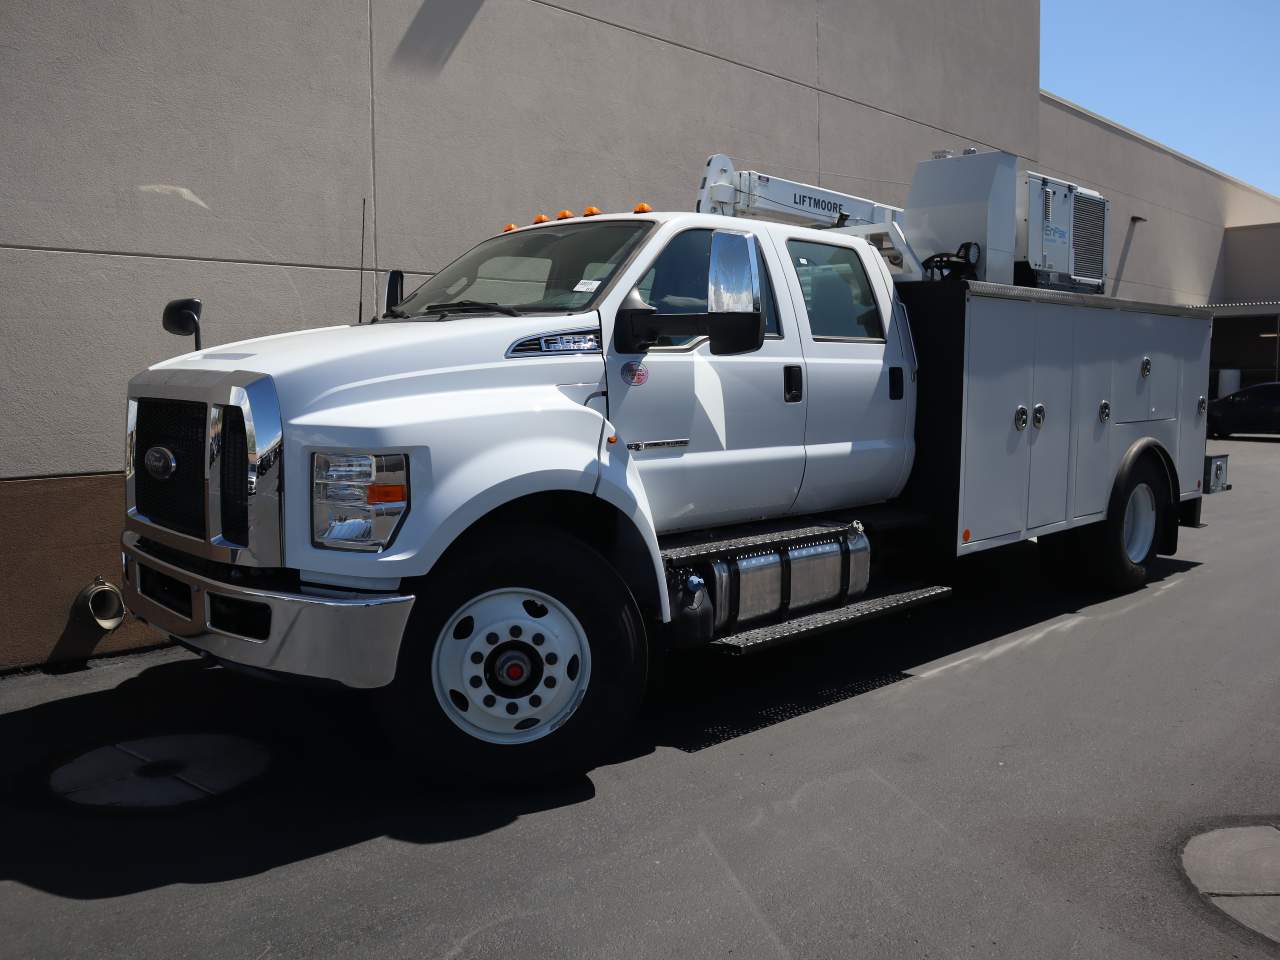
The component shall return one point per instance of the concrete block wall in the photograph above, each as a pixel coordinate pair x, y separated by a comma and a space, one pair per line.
223, 150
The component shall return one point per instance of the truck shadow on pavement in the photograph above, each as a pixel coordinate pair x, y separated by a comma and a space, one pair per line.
333, 783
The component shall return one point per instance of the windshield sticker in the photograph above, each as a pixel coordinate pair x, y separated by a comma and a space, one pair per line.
586, 286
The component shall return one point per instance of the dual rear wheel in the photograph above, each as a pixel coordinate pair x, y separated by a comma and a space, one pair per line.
1117, 552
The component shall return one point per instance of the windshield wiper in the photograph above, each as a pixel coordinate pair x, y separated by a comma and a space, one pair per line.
459, 305
395, 312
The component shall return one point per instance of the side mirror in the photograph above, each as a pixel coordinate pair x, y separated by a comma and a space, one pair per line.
182, 318
395, 288
734, 322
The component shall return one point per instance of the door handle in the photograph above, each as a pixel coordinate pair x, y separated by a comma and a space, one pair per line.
1037, 416
895, 383
1020, 418
792, 383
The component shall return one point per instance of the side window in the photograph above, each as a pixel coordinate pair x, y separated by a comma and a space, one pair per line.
677, 283
837, 294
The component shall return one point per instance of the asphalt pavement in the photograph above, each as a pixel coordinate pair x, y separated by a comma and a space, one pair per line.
1013, 773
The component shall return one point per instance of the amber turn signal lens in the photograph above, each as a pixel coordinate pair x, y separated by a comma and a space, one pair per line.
387, 493
642, 207
591, 212
966, 535
541, 218
564, 214
508, 228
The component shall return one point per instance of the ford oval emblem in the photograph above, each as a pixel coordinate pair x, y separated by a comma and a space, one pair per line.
635, 373
160, 462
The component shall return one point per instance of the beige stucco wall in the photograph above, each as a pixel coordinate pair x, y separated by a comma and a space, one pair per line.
1252, 258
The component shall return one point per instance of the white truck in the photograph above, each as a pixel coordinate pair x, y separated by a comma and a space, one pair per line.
596, 438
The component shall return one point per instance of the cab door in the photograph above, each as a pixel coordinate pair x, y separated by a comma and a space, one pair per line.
859, 385
716, 439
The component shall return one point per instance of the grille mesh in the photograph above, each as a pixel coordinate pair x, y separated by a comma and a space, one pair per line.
234, 478
1088, 232
176, 502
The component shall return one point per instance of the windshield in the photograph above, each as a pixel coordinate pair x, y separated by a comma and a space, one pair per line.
553, 268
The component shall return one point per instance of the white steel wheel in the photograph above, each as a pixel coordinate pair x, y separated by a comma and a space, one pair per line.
511, 666
1139, 529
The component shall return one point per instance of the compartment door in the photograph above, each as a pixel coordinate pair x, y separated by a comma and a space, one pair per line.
1094, 362
1050, 431
999, 352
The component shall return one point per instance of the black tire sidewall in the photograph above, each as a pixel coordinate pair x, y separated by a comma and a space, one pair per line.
577, 576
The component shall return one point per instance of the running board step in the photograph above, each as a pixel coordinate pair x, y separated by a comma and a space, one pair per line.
763, 638
726, 543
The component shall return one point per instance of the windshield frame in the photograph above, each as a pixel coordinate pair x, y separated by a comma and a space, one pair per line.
638, 243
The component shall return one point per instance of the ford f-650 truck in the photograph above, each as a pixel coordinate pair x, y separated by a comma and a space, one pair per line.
600, 436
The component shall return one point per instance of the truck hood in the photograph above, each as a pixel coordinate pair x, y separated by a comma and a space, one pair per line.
339, 366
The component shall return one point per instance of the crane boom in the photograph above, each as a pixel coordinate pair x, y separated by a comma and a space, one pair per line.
731, 192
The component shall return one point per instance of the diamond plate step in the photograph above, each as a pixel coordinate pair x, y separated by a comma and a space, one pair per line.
755, 639
727, 543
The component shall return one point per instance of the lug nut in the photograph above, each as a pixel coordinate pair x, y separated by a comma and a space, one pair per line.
476, 681
477, 657
491, 639
490, 700
535, 701
538, 639
550, 681
512, 708
516, 631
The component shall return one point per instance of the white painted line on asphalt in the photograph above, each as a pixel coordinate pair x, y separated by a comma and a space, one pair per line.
1025, 640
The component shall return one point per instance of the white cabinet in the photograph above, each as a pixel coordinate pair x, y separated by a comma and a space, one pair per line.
1017, 420
1049, 435
998, 351
1091, 420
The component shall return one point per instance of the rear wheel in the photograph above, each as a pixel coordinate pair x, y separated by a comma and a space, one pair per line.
519, 662
1123, 546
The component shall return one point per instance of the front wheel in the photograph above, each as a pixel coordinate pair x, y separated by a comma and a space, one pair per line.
523, 659
1124, 544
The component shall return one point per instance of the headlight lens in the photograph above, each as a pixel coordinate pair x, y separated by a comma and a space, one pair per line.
358, 499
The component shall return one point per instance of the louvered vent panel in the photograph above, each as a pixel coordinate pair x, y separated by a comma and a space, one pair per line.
1088, 233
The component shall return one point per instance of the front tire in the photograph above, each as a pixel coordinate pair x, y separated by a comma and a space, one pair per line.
1124, 544
523, 659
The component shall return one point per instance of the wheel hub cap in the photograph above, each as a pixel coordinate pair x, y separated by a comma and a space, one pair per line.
511, 666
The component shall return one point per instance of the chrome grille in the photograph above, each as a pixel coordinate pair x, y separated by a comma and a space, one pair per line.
223, 500
1088, 236
233, 465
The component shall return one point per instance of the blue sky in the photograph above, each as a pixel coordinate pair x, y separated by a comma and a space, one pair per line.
1201, 77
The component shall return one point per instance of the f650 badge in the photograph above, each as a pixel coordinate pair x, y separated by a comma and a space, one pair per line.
635, 373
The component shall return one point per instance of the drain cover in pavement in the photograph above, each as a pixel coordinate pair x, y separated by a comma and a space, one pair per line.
1238, 869
160, 771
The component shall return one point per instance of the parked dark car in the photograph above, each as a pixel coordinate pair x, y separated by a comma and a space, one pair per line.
1255, 409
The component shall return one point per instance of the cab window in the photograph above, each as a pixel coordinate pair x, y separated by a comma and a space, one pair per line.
837, 294
677, 283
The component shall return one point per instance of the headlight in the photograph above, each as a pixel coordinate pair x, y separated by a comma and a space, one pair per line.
358, 500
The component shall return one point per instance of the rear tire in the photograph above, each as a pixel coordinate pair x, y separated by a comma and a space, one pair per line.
522, 660
1122, 547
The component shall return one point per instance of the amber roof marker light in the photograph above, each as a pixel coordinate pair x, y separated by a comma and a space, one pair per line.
509, 227
642, 207
564, 214
591, 212
541, 218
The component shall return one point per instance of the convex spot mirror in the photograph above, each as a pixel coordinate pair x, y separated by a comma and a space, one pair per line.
182, 318
733, 322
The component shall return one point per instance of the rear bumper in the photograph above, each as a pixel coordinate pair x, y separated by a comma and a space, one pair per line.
353, 639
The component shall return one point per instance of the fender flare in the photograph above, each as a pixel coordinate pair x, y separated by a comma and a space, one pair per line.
1138, 450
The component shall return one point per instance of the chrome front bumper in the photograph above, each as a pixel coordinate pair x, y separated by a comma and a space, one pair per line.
351, 638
